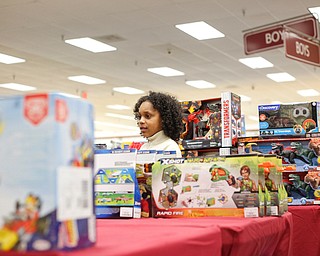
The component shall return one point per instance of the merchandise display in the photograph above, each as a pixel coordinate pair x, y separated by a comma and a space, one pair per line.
46, 189
206, 186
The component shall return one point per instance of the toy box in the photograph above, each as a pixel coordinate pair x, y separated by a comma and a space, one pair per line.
302, 187
117, 193
206, 186
288, 119
211, 122
46, 186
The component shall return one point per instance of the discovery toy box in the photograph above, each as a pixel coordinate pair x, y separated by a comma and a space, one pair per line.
46, 155
206, 186
288, 119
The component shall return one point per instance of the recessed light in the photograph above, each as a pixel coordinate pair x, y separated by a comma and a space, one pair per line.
308, 93
18, 87
118, 107
86, 79
200, 30
281, 77
256, 62
200, 84
116, 125
128, 90
165, 71
90, 44
7, 59
245, 98
120, 116
69, 95
315, 12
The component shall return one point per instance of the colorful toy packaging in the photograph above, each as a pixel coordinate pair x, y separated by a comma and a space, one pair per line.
288, 119
206, 186
211, 122
116, 188
46, 181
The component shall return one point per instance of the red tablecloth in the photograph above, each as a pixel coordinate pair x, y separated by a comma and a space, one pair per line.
306, 230
214, 236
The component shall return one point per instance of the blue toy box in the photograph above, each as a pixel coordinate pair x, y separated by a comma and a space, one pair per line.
46, 174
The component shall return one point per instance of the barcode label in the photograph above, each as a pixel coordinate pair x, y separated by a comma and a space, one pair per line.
75, 193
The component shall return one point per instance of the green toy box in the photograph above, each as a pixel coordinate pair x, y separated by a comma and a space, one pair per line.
46, 174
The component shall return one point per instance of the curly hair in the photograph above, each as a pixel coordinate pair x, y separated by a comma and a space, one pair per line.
170, 111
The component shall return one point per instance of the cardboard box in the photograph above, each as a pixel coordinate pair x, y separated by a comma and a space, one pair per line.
46, 181
288, 119
205, 186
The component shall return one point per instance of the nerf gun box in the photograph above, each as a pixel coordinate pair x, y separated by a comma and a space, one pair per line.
206, 186
46, 186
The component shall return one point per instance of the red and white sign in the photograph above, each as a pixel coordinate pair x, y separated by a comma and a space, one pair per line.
273, 36
301, 49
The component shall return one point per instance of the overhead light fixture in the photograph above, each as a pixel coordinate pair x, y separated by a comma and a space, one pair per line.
281, 77
200, 84
308, 93
128, 90
86, 80
165, 71
253, 118
200, 30
120, 116
256, 62
118, 107
244, 98
7, 59
90, 44
69, 95
18, 87
315, 11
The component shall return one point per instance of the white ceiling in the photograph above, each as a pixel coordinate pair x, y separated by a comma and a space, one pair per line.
143, 31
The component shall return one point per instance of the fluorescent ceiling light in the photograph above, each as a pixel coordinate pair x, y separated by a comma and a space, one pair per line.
128, 90
118, 107
308, 92
7, 59
253, 118
315, 12
165, 71
281, 77
245, 98
276, 102
69, 95
200, 84
86, 79
18, 87
90, 44
256, 62
116, 125
200, 30
120, 116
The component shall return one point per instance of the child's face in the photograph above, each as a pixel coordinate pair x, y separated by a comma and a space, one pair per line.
150, 120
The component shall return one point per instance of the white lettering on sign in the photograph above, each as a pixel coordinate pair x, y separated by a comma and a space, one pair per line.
302, 49
274, 37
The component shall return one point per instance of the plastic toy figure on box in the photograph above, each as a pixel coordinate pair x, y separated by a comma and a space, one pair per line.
214, 122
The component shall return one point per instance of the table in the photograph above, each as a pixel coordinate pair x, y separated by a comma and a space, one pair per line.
214, 236
306, 230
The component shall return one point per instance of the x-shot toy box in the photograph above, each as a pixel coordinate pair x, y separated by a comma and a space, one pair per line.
206, 186
211, 122
46, 174
288, 119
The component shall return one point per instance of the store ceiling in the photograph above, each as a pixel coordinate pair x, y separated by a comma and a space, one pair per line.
144, 33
